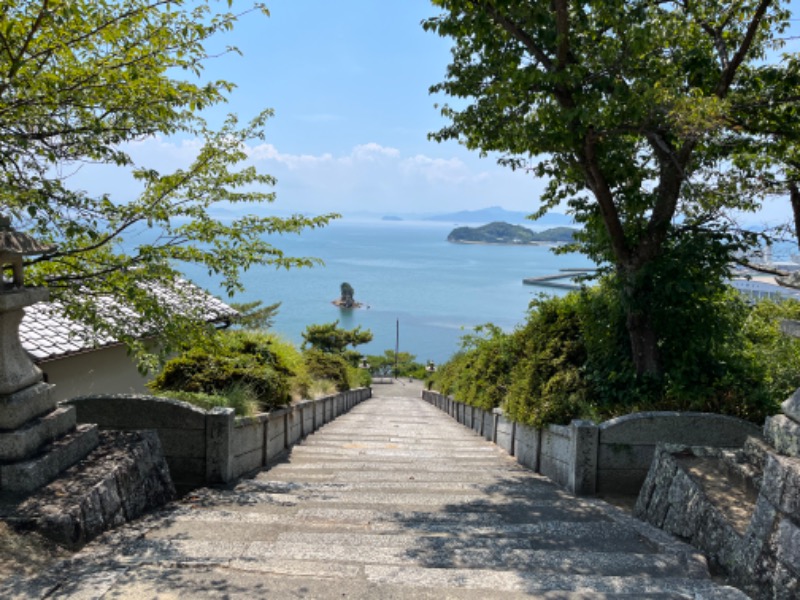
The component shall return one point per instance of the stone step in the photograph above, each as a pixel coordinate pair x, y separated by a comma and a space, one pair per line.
498, 486
28, 475
533, 583
318, 579
24, 442
421, 553
343, 528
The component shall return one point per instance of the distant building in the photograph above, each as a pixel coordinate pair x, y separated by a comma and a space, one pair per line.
78, 361
758, 288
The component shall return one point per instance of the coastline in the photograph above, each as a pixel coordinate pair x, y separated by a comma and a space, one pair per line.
476, 243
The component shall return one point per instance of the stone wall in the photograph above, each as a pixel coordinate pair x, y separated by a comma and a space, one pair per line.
586, 458
748, 526
210, 447
122, 479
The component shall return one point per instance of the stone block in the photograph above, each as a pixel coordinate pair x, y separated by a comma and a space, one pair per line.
29, 475
556, 470
26, 441
783, 434
620, 481
787, 545
20, 407
691, 429
625, 456
653, 502
183, 442
526, 446
219, 445
791, 406
248, 435
487, 427
781, 484
583, 457
505, 434
127, 412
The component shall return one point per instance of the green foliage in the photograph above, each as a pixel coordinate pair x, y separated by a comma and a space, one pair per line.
635, 113
329, 367
81, 80
776, 354
547, 383
254, 315
480, 374
407, 365
329, 337
241, 399
505, 233
569, 359
229, 363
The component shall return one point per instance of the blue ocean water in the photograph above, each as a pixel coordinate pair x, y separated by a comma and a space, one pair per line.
403, 272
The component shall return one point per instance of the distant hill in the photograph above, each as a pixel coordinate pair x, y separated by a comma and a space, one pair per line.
498, 214
391, 218
505, 233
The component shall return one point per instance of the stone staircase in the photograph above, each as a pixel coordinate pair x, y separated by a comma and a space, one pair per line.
393, 500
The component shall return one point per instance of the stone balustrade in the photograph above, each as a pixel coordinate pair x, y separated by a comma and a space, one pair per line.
612, 457
212, 447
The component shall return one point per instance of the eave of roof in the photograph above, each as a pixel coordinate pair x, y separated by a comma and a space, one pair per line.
47, 334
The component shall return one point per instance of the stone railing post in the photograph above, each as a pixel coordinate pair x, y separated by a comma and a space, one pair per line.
219, 438
582, 476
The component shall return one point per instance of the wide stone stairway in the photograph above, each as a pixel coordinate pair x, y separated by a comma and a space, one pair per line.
393, 500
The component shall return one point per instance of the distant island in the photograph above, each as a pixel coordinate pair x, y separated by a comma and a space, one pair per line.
391, 218
505, 233
498, 214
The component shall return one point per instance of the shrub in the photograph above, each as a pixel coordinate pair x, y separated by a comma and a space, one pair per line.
328, 366
546, 380
571, 359
230, 362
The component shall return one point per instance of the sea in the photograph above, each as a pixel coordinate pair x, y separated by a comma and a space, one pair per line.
418, 291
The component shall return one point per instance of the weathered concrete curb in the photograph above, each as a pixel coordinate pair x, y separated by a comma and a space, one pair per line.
213, 447
586, 458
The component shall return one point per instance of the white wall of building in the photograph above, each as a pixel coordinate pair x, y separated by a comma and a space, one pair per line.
106, 371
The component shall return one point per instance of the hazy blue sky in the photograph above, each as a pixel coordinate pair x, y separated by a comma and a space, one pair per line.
348, 81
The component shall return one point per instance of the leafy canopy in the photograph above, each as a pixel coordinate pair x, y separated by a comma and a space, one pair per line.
80, 80
627, 108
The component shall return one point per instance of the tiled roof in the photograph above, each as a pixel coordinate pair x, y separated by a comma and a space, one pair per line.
47, 333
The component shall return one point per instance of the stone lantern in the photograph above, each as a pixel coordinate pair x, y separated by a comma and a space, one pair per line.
38, 439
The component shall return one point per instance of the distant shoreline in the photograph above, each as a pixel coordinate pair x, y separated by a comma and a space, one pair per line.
476, 243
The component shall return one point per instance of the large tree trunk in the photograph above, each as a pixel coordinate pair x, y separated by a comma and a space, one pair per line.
644, 344
794, 198
638, 295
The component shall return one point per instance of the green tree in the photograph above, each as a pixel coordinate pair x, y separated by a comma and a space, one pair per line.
79, 80
329, 337
407, 365
254, 315
626, 105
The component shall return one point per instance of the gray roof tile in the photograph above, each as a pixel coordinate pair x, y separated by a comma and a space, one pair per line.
47, 333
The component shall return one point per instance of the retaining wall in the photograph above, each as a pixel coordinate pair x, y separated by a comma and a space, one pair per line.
587, 458
211, 447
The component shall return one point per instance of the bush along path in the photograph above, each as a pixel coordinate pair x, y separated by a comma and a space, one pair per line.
392, 500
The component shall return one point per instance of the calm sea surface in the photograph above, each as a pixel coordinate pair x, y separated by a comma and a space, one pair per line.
402, 272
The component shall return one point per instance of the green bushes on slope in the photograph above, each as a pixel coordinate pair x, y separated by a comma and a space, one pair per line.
571, 359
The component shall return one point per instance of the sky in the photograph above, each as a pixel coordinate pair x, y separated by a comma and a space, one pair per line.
348, 82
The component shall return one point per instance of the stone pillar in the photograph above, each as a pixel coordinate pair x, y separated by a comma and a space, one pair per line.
585, 438
38, 439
